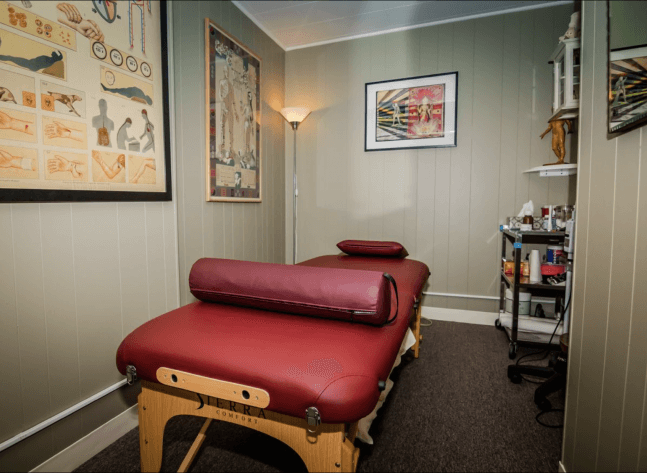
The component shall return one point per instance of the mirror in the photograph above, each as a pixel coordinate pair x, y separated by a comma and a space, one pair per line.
627, 66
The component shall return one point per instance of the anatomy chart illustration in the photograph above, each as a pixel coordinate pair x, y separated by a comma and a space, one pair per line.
18, 126
124, 138
70, 16
115, 83
107, 9
6, 95
63, 100
108, 167
18, 163
27, 54
141, 170
37, 25
17, 88
148, 133
103, 124
136, 8
116, 57
83, 102
64, 133
65, 166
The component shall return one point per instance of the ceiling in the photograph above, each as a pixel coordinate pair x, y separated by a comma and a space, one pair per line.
297, 24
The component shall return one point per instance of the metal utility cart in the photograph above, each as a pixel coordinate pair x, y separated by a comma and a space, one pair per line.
519, 238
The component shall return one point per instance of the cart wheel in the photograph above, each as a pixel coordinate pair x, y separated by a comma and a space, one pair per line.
516, 378
512, 352
497, 324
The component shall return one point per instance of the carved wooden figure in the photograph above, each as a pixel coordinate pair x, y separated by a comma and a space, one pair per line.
559, 136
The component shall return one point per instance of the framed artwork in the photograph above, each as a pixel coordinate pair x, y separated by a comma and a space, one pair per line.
233, 95
84, 101
412, 113
627, 89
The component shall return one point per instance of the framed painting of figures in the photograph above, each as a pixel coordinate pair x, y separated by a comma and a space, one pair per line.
233, 95
84, 101
627, 90
411, 113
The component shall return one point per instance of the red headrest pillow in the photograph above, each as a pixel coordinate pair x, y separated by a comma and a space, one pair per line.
372, 248
343, 294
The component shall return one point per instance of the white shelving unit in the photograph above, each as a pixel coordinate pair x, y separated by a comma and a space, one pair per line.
555, 170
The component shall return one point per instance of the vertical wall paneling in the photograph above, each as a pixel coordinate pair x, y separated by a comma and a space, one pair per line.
605, 404
461, 159
525, 108
620, 292
11, 409
30, 307
155, 260
635, 379
599, 245
223, 229
135, 309
97, 285
486, 148
60, 305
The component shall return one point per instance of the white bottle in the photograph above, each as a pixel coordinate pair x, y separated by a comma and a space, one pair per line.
535, 267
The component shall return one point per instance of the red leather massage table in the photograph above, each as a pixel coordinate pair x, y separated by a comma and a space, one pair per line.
304, 380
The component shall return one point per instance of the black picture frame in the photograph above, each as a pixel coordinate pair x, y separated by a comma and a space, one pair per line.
634, 123
417, 81
9, 195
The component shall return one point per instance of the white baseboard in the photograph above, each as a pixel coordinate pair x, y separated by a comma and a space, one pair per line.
458, 315
561, 468
87, 447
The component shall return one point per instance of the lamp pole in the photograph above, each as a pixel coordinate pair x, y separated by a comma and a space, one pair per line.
294, 116
295, 194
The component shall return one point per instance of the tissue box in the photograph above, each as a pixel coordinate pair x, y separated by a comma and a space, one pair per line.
537, 222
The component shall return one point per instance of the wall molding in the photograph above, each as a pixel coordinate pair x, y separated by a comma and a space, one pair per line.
87, 447
458, 315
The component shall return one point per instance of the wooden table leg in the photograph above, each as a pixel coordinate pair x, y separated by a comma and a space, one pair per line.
151, 433
416, 331
193, 451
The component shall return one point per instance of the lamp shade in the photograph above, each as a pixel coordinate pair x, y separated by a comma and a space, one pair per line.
295, 114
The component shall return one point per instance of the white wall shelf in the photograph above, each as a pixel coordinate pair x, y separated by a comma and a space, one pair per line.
555, 170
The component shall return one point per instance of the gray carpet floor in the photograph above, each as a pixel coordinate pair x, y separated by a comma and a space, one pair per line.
452, 409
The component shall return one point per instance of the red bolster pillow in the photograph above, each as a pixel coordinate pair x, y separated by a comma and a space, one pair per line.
372, 248
342, 294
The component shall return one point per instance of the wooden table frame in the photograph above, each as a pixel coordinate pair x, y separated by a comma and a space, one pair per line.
330, 449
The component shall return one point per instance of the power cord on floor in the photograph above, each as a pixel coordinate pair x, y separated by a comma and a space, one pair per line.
547, 350
425, 325
547, 425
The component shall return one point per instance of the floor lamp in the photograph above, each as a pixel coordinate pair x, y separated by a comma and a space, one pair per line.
294, 116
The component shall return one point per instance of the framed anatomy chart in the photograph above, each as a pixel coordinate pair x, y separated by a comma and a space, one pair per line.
233, 96
84, 101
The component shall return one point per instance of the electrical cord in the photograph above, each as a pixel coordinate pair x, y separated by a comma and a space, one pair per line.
548, 425
547, 349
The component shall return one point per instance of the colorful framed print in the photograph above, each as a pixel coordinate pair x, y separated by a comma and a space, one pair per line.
412, 113
84, 101
233, 95
627, 90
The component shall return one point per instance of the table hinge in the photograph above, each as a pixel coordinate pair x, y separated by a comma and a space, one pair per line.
313, 418
131, 374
